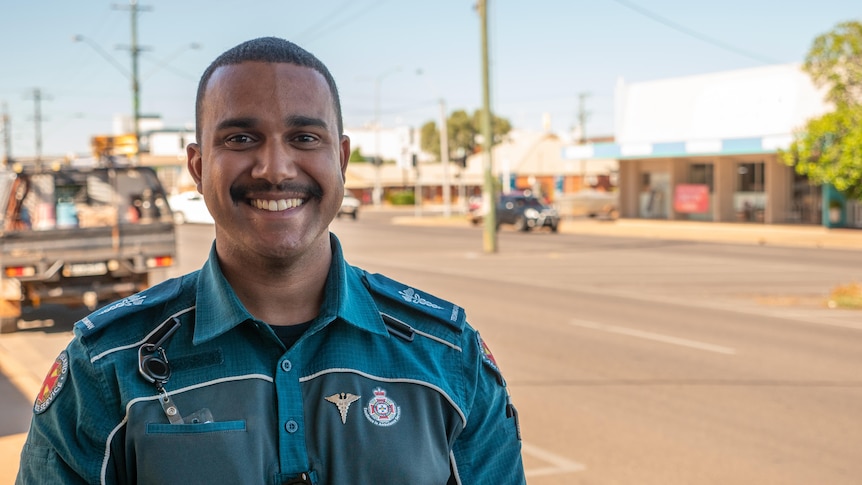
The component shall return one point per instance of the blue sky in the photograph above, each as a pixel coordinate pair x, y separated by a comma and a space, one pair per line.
544, 54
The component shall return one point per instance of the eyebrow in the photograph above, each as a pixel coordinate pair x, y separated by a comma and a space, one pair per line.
299, 120
290, 121
244, 123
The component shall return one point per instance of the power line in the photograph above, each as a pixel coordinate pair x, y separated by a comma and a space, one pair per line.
318, 29
694, 33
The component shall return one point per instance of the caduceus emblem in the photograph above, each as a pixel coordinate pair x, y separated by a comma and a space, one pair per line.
343, 400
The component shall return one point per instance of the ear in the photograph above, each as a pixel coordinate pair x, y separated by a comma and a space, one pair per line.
345, 155
193, 152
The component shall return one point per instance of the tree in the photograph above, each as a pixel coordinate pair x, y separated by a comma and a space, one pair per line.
463, 130
835, 60
828, 149
357, 157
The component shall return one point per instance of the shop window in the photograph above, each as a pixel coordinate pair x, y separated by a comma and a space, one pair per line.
750, 177
749, 200
701, 173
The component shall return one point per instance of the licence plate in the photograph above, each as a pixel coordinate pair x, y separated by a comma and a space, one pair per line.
85, 269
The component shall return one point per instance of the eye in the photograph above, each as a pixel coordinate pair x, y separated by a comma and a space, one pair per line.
305, 138
240, 139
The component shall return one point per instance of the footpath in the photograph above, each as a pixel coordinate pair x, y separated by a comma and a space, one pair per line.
26, 373
734, 233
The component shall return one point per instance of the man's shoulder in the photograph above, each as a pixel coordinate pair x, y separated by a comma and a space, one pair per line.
125, 318
407, 303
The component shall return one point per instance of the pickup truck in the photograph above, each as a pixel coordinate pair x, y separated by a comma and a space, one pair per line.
79, 236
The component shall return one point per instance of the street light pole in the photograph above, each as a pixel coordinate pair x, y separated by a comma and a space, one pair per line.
444, 159
444, 148
377, 193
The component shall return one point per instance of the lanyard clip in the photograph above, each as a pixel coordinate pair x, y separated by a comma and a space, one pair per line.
152, 361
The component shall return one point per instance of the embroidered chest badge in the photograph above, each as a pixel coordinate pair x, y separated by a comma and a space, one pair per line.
53, 383
343, 400
382, 410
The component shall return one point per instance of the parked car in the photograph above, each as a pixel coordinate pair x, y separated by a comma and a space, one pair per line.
589, 202
349, 205
523, 210
189, 207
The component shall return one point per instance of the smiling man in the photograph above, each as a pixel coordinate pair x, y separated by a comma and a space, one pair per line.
277, 362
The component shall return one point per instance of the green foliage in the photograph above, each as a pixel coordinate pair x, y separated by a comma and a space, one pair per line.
402, 197
356, 157
828, 150
463, 130
846, 296
835, 61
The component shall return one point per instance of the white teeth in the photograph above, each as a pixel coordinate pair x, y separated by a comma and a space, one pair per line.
276, 205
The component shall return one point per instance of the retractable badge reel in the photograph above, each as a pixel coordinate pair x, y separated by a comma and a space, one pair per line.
153, 366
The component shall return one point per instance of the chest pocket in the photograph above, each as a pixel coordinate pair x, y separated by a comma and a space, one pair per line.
238, 446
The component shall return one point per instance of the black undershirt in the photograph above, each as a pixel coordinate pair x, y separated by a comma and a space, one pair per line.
289, 334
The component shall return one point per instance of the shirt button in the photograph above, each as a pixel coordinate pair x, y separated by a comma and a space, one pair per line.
291, 426
286, 365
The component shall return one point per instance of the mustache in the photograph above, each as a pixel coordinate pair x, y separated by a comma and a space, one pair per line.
239, 193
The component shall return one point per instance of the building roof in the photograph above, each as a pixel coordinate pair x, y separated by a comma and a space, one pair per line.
739, 104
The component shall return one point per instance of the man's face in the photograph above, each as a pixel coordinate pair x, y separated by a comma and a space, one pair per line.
270, 162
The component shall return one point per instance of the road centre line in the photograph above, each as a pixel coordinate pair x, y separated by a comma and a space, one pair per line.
559, 464
631, 332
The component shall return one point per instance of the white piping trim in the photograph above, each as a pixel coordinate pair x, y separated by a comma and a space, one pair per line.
454, 468
129, 405
437, 339
387, 379
140, 342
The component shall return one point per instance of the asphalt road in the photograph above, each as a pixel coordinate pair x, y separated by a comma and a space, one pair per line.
631, 361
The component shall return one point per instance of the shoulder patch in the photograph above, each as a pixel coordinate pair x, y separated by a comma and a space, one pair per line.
422, 302
488, 359
53, 383
111, 312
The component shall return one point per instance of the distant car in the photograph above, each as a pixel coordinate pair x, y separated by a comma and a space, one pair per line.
189, 207
524, 211
349, 205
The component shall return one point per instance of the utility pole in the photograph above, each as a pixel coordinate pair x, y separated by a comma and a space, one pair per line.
135, 50
489, 240
583, 114
37, 120
7, 137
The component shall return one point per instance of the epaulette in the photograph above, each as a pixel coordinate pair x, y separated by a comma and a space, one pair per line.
152, 298
406, 296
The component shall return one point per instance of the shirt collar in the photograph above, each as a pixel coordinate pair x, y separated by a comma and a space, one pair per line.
218, 309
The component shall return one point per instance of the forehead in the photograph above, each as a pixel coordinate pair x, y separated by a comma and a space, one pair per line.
257, 88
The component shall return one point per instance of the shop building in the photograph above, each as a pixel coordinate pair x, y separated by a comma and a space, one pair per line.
707, 147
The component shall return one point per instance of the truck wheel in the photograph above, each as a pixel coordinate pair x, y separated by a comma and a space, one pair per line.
8, 324
522, 224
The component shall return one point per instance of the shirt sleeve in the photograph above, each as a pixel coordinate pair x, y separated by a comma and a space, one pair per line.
67, 438
488, 451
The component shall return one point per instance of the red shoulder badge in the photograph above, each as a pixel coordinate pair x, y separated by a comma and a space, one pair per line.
53, 383
487, 356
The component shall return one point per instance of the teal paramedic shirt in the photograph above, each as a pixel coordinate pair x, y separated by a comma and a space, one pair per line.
388, 385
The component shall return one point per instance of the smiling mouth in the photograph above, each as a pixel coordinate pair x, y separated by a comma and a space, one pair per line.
276, 205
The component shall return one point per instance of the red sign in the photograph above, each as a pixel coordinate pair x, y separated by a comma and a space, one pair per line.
691, 199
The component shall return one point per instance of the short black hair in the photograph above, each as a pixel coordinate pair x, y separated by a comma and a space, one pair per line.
266, 49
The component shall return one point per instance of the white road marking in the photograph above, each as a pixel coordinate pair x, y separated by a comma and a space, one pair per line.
631, 332
559, 465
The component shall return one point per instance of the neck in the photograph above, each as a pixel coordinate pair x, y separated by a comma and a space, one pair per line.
283, 291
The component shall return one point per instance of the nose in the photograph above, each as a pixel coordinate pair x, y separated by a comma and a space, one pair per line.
276, 162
